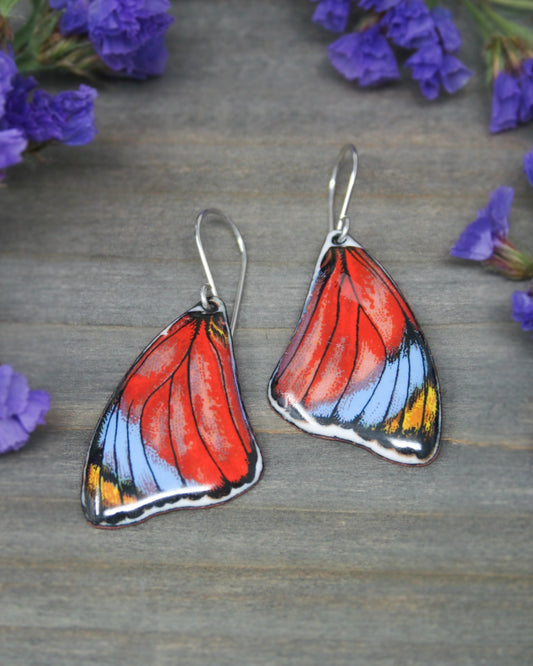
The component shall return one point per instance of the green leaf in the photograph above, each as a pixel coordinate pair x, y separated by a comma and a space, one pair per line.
6, 6
23, 34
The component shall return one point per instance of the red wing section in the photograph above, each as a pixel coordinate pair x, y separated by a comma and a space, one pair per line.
358, 367
175, 433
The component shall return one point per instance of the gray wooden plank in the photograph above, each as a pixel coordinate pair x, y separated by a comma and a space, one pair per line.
242, 533
486, 379
354, 599
122, 292
277, 194
352, 480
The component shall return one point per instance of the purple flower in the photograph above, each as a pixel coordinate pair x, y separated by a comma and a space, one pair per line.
74, 19
409, 24
21, 410
12, 144
523, 309
128, 35
526, 88
475, 242
67, 117
16, 102
75, 109
33, 116
8, 69
498, 210
378, 6
332, 14
365, 56
454, 75
506, 99
480, 238
449, 35
528, 166
433, 68
512, 97
425, 64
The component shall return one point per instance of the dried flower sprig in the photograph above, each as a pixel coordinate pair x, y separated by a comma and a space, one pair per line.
84, 37
508, 50
384, 30
31, 118
87, 37
485, 240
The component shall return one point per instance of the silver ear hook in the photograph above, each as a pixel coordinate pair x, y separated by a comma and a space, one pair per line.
343, 223
210, 290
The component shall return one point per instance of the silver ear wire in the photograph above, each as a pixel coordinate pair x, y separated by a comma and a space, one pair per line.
342, 225
204, 295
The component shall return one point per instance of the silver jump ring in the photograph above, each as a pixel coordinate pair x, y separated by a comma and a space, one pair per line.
206, 298
343, 226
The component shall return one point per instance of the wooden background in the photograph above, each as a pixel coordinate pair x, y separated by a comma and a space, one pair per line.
336, 556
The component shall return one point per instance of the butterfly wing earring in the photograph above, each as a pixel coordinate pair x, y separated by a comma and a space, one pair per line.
175, 434
358, 367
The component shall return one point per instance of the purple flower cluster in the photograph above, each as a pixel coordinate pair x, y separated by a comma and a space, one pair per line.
21, 409
127, 35
512, 97
29, 114
367, 55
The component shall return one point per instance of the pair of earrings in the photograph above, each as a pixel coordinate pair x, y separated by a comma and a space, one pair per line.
175, 433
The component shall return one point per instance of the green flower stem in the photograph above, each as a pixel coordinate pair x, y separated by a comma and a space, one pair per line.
73, 55
485, 25
509, 28
526, 5
509, 261
77, 57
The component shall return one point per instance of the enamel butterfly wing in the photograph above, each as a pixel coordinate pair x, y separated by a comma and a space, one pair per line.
175, 434
358, 367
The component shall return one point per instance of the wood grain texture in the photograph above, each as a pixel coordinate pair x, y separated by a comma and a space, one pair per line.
335, 557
